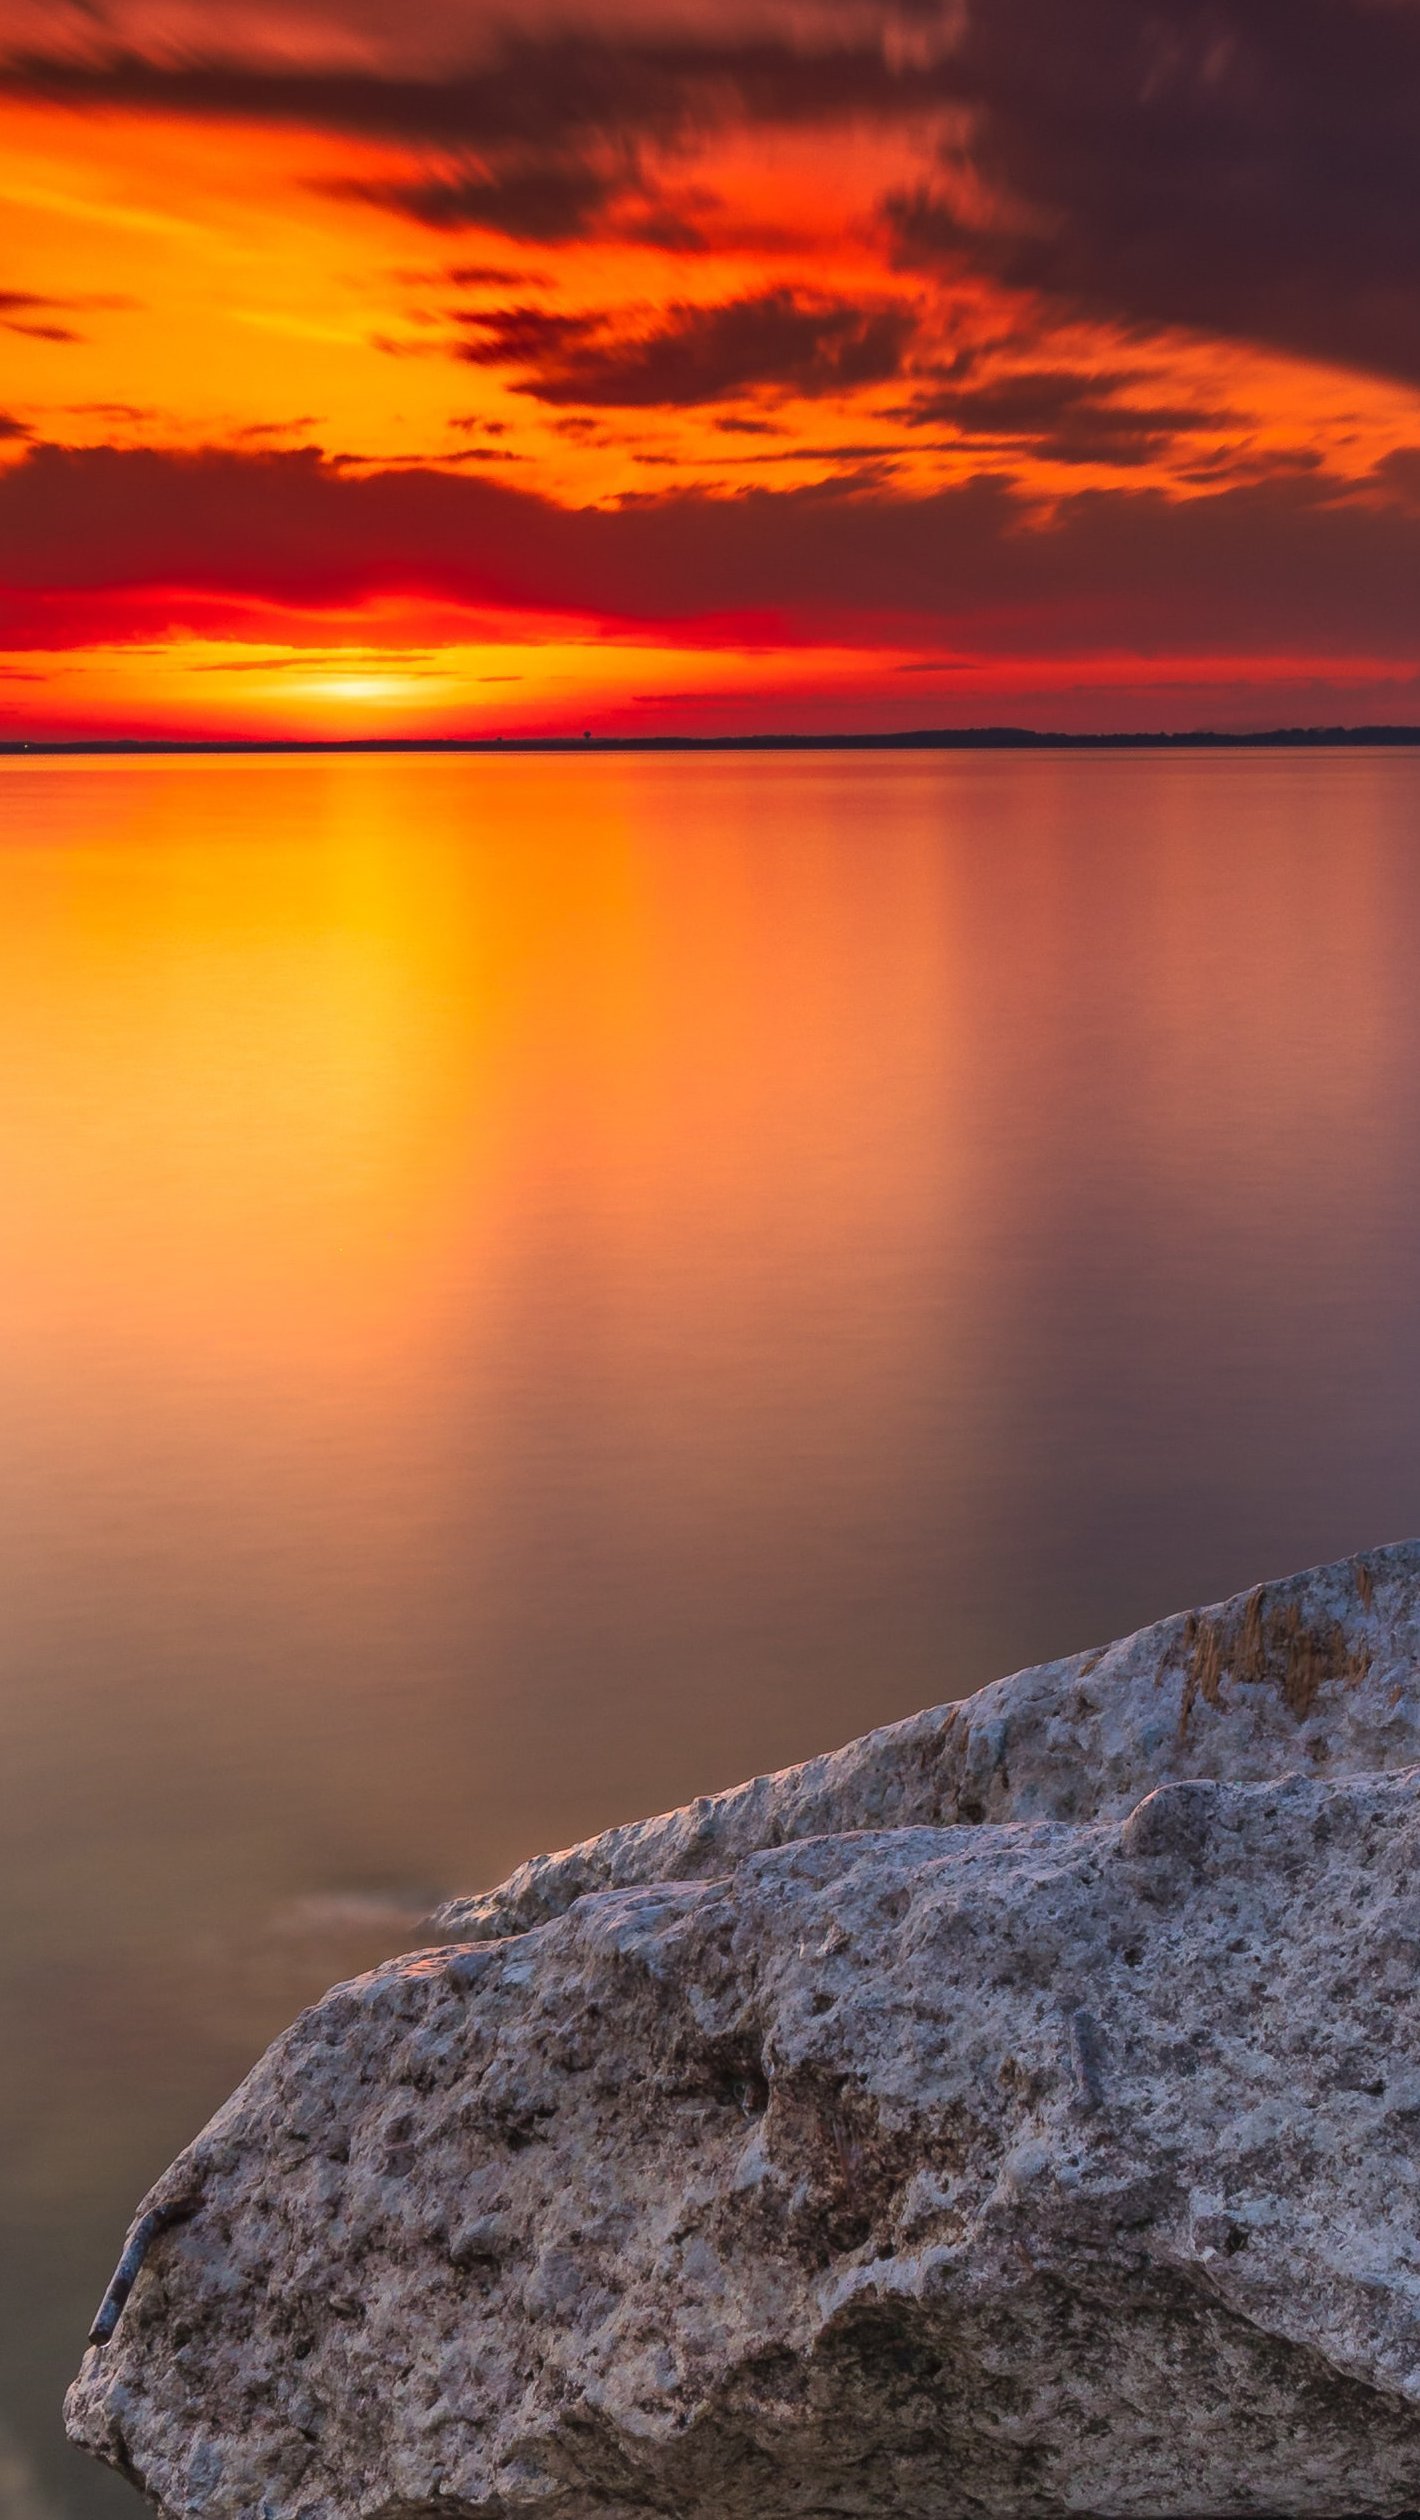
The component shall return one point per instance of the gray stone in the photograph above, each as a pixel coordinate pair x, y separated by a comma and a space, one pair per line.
1064, 2163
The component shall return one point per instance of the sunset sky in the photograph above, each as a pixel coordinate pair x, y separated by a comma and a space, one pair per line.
677, 364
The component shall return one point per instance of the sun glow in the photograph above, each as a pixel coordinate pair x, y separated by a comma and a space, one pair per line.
378, 690
465, 360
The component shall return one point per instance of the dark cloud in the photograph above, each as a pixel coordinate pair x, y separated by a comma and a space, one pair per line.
806, 453
1291, 567
302, 659
23, 311
488, 276
525, 335
536, 204
27, 301
675, 226
542, 142
1398, 474
571, 91
40, 332
1064, 415
1239, 166
696, 354
280, 428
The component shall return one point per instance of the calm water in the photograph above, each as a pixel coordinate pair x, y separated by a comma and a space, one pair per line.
530, 1289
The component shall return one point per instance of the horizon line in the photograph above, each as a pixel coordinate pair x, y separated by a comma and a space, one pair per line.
922, 739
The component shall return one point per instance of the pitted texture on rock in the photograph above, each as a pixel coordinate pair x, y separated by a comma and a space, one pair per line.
1320, 1673
805, 2152
930, 2172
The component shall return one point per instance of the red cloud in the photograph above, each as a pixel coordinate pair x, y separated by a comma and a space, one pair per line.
1282, 566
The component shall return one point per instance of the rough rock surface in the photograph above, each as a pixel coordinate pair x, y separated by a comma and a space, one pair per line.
1067, 2162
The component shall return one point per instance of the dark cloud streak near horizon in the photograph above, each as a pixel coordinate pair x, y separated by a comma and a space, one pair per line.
1248, 570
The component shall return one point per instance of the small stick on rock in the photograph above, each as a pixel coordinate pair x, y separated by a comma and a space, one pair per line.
145, 2231
1086, 2059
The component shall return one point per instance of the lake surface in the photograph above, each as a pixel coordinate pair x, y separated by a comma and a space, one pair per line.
531, 1289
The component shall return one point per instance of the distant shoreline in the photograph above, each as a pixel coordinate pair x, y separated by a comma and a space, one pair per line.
922, 739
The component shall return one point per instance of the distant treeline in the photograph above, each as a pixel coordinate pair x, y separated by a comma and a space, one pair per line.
918, 739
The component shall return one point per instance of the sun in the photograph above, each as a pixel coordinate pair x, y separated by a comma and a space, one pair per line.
390, 689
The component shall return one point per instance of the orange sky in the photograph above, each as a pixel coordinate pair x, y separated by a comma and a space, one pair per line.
834, 365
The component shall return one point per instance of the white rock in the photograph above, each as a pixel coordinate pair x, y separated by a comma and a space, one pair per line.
1065, 2163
